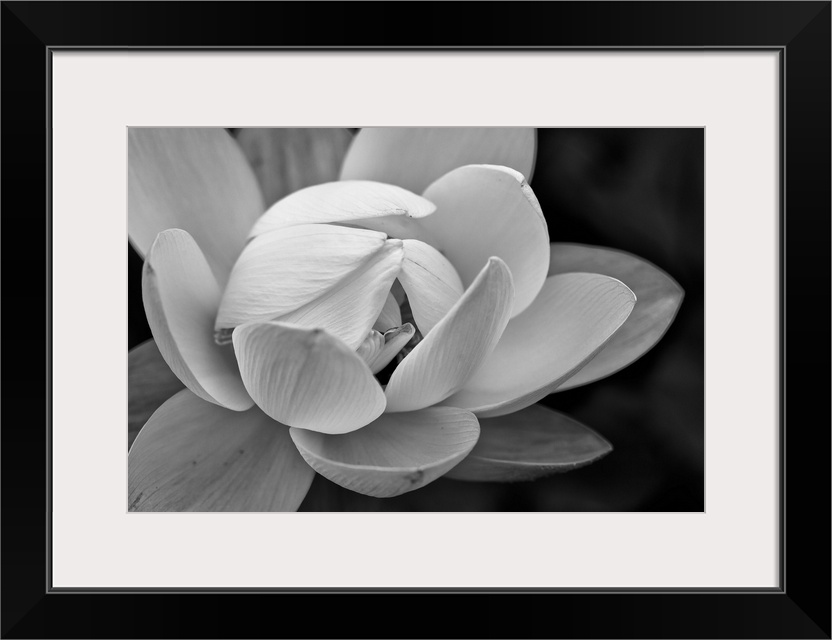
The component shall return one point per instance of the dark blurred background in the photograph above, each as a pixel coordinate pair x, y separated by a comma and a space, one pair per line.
641, 191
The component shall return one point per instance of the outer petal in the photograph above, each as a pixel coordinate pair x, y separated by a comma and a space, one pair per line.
413, 157
286, 160
356, 202
485, 211
431, 283
569, 322
196, 456
529, 444
397, 453
181, 298
349, 309
306, 378
149, 383
441, 363
659, 298
192, 179
282, 271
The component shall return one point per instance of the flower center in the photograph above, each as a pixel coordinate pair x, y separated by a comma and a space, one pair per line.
223, 336
383, 376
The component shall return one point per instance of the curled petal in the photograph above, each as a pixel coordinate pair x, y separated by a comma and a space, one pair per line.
485, 211
569, 322
658, 299
413, 157
529, 444
394, 341
280, 272
356, 202
192, 179
286, 160
378, 349
195, 456
441, 363
181, 298
349, 309
371, 347
431, 283
306, 378
397, 453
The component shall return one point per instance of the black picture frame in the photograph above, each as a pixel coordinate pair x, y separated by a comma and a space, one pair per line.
798, 608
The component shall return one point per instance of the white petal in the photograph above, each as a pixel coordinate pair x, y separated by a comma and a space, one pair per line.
282, 271
431, 283
180, 299
195, 456
369, 349
354, 202
397, 453
306, 378
485, 211
192, 179
659, 298
394, 341
441, 363
286, 160
571, 320
349, 309
413, 157
390, 315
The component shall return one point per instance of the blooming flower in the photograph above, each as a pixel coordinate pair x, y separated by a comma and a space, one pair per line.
428, 261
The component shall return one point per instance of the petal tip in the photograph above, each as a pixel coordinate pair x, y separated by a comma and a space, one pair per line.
497, 261
496, 264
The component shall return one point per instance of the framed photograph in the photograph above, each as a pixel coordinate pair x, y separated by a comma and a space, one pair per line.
523, 304
473, 420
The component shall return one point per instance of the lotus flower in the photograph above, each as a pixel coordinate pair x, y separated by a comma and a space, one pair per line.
383, 330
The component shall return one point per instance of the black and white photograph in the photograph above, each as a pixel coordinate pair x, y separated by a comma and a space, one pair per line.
416, 319
522, 310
